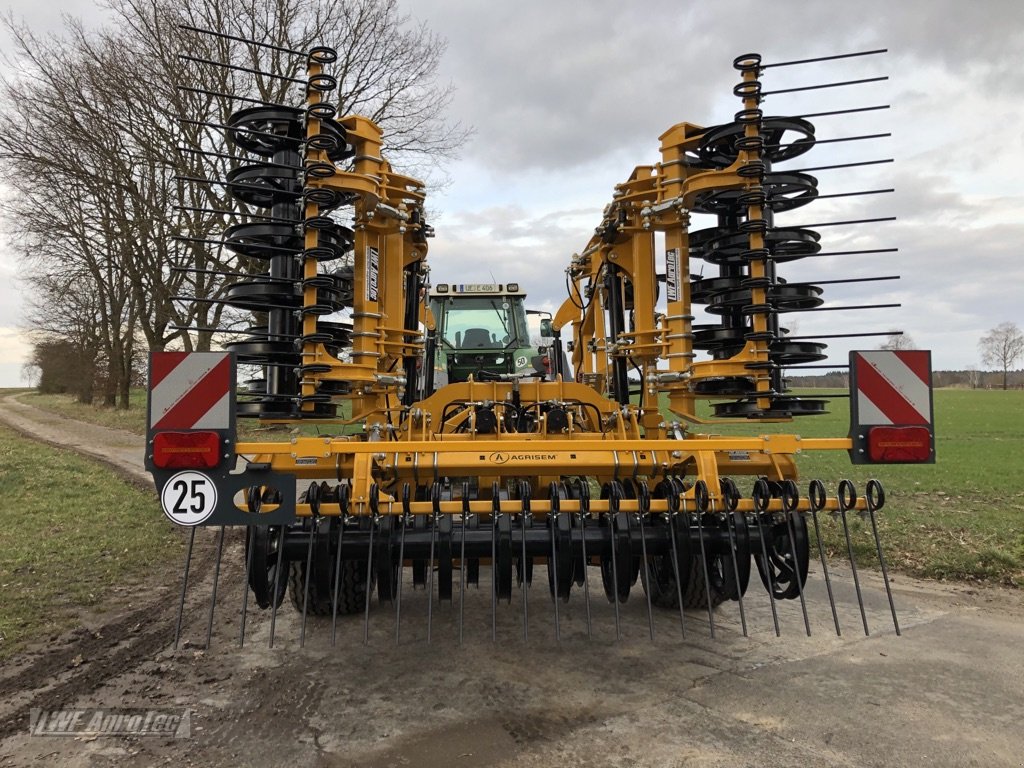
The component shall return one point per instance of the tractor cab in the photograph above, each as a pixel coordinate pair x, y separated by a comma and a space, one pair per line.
480, 331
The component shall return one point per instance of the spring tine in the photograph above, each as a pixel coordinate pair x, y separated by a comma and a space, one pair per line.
767, 569
184, 585
824, 571
495, 513
796, 568
555, 511
614, 494
524, 501
216, 578
435, 497
875, 497
369, 562
729, 528
645, 508
844, 504
277, 585
401, 562
343, 505
462, 560
313, 498
584, 490
704, 562
250, 549
675, 569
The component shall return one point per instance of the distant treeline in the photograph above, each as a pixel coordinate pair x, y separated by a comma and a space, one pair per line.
972, 379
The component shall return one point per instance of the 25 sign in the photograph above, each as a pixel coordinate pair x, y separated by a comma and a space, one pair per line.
189, 498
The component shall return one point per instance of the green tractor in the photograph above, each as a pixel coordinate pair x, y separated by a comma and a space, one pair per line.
481, 330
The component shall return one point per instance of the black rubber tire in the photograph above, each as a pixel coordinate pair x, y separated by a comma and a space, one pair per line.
351, 590
695, 595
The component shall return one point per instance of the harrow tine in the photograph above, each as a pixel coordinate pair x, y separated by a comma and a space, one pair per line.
584, 491
700, 498
524, 501
847, 499
277, 585
555, 510
313, 499
816, 495
735, 565
305, 581
874, 496
435, 498
401, 562
184, 585
374, 521
790, 502
644, 496
343, 497
614, 495
216, 579
495, 513
250, 546
462, 560
673, 510
759, 515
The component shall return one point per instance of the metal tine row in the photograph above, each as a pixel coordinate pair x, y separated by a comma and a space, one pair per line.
792, 577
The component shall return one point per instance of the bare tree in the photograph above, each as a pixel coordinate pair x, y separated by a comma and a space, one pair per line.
898, 340
1002, 347
91, 130
974, 377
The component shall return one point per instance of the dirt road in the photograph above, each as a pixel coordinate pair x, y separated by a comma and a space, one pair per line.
949, 692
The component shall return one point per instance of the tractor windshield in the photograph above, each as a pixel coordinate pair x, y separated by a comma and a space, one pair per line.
482, 322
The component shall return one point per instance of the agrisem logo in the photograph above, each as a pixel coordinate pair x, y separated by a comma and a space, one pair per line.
503, 458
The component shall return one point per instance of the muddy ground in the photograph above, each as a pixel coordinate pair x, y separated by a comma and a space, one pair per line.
949, 692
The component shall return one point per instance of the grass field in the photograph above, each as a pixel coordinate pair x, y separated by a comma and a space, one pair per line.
70, 530
960, 518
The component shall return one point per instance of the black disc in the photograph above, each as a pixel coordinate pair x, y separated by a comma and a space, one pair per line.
266, 130
385, 557
616, 575
563, 561
420, 523
660, 578
443, 553
780, 555
503, 557
263, 184
263, 542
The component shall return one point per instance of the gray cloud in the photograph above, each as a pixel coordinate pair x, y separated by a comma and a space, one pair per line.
566, 98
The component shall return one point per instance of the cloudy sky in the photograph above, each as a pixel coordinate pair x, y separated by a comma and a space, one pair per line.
566, 98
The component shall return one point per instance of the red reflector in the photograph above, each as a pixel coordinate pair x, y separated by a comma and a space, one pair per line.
186, 450
899, 444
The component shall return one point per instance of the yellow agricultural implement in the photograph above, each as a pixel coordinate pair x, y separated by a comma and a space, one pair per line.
597, 466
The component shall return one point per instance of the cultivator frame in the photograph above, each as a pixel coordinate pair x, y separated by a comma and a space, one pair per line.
513, 469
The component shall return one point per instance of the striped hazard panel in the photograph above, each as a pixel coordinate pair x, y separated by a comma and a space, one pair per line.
891, 407
190, 390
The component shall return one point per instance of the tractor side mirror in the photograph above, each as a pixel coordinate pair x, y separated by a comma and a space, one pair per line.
545, 328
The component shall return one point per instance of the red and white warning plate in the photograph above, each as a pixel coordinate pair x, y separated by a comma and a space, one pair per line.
190, 390
893, 387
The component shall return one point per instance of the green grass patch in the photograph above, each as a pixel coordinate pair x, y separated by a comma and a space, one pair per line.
134, 418
70, 529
